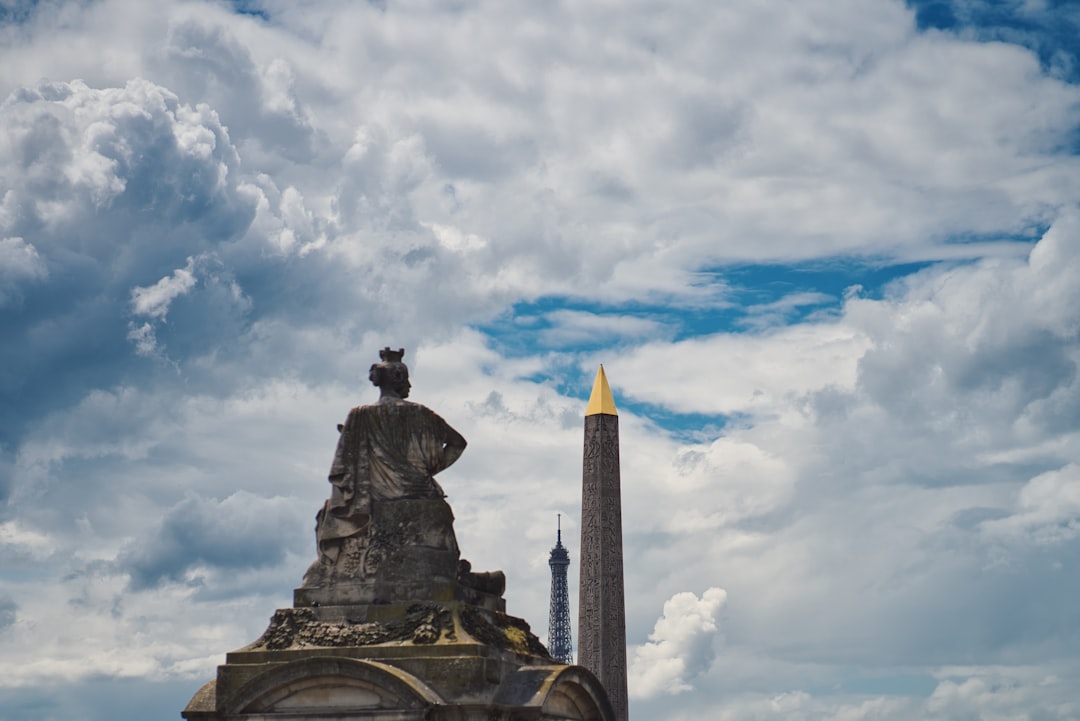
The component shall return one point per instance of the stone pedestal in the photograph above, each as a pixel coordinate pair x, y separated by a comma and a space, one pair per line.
436, 661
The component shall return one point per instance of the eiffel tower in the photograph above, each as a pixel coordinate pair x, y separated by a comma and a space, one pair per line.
560, 645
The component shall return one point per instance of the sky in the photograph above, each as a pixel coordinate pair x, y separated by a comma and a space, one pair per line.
826, 250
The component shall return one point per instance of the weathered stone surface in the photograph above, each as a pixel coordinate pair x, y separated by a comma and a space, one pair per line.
417, 623
408, 553
485, 685
601, 604
299, 628
386, 535
455, 658
385, 517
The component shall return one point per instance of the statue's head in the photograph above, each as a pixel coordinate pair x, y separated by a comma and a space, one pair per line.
390, 374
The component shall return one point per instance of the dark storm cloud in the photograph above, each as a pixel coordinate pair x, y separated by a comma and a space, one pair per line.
239, 533
108, 189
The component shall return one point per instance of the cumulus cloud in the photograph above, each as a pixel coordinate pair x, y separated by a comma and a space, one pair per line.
154, 300
77, 149
208, 55
680, 646
109, 188
967, 693
1047, 509
1000, 692
993, 340
984, 354
24, 546
745, 373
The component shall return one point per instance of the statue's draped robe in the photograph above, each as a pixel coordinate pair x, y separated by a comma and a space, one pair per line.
387, 451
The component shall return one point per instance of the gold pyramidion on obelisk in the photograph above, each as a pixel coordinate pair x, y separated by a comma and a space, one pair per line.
601, 605
600, 401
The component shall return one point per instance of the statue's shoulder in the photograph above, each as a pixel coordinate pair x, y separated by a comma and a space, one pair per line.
381, 405
392, 411
357, 414
392, 406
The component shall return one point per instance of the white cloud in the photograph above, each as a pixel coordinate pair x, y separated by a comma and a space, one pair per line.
571, 327
742, 373
680, 646
1001, 693
154, 300
24, 544
144, 338
455, 240
1047, 509
775, 312
990, 693
74, 150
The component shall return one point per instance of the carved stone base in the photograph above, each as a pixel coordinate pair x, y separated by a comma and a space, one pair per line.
385, 588
430, 661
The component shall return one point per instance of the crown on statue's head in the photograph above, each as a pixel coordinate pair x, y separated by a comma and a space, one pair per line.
391, 356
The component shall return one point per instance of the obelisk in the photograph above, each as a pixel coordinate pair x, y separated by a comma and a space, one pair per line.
601, 606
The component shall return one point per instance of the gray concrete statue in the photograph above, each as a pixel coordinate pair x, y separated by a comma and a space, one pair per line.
388, 453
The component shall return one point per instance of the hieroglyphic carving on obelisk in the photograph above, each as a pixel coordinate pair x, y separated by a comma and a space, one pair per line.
601, 607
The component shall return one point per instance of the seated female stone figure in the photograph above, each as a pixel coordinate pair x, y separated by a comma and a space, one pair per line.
383, 472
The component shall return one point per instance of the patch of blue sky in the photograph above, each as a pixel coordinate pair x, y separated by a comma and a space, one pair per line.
250, 7
751, 296
1023, 240
16, 11
570, 378
769, 295
566, 374
1050, 29
686, 427
543, 325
